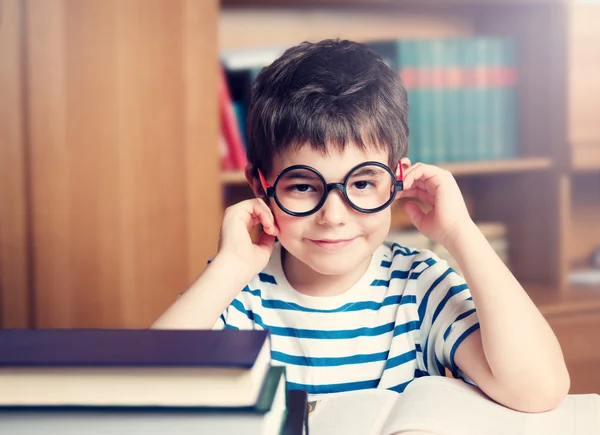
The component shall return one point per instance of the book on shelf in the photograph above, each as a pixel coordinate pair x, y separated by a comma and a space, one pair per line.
230, 127
269, 415
440, 405
461, 94
104, 367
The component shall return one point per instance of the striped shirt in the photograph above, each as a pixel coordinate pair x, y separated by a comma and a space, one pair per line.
403, 319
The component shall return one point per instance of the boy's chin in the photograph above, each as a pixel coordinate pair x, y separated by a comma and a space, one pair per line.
340, 265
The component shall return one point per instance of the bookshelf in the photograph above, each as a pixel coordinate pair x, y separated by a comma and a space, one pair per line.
512, 191
232, 178
549, 196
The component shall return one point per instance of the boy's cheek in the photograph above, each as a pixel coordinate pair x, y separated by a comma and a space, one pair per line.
287, 224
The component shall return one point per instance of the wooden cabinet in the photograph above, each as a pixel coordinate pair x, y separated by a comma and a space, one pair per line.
575, 318
109, 207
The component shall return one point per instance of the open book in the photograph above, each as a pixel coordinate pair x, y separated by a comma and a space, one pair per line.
444, 406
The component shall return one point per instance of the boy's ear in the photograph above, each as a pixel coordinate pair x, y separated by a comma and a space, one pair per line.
254, 182
405, 162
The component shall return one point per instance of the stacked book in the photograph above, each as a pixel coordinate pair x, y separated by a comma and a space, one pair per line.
146, 382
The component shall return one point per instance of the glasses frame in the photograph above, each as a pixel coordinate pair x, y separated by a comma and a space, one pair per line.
271, 190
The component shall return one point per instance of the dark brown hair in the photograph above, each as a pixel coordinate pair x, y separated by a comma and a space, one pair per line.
326, 94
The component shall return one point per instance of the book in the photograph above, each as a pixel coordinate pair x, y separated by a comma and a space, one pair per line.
446, 406
296, 422
266, 417
230, 127
135, 367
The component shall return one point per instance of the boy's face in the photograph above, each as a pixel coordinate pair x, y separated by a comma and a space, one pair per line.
336, 239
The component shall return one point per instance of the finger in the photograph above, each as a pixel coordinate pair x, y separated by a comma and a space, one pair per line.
266, 241
251, 212
263, 213
415, 213
418, 193
427, 177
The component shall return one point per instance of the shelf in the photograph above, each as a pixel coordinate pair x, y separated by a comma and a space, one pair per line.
458, 169
499, 166
585, 157
396, 3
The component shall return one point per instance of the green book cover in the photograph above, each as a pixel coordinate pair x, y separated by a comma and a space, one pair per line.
466, 125
496, 108
425, 106
509, 98
407, 61
482, 47
501, 109
452, 100
476, 120
439, 99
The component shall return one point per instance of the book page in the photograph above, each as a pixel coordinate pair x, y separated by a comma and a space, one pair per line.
362, 412
447, 406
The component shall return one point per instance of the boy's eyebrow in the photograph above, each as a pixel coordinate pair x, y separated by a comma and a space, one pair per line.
298, 175
368, 171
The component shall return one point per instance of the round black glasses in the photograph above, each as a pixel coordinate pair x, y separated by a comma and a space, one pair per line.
301, 190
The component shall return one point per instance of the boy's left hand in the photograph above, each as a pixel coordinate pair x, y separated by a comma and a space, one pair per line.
438, 188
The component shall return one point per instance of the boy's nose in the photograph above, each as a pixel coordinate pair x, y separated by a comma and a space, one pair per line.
335, 210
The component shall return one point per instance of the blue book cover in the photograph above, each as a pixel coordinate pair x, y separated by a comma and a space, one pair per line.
132, 367
130, 347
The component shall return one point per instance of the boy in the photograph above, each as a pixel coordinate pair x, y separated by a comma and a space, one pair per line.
327, 143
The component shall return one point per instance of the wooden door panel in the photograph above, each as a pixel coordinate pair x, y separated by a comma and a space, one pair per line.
123, 140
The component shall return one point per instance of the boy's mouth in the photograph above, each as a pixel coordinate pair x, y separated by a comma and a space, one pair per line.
332, 243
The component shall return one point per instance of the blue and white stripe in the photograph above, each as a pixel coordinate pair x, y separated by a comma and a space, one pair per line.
404, 319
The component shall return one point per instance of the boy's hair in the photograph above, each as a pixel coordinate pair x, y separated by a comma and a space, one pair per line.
329, 93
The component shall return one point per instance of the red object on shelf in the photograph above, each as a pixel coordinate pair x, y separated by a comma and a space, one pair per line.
229, 127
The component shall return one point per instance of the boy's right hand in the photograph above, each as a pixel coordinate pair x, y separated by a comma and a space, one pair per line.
235, 241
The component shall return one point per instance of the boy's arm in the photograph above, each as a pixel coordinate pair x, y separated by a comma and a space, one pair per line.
238, 260
200, 306
514, 357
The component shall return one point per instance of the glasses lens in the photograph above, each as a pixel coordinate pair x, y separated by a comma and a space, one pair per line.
299, 190
370, 187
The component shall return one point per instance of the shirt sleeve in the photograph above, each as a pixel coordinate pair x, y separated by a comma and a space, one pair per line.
446, 312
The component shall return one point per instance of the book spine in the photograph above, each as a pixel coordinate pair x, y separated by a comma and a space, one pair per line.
510, 109
453, 99
425, 105
409, 75
482, 98
225, 157
497, 106
469, 94
439, 101
229, 124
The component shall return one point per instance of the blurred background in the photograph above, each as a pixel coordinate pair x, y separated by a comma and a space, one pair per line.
122, 140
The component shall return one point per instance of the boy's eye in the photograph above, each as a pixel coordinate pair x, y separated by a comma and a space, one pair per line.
301, 188
362, 185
